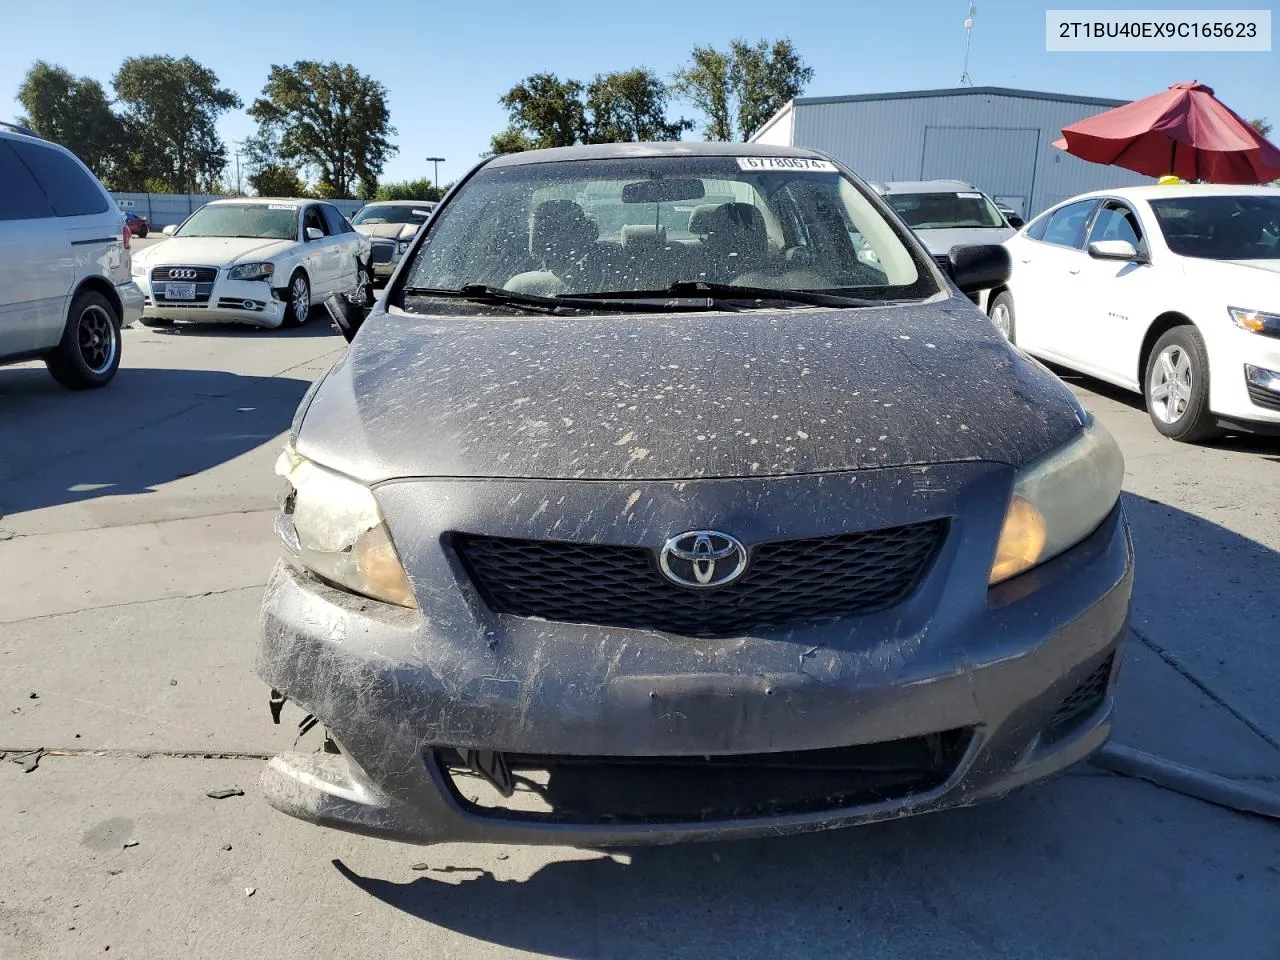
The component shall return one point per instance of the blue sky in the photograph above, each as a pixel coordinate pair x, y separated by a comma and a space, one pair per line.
446, 65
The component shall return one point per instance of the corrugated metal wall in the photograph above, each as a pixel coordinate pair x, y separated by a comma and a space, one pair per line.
162, 209
1000, 143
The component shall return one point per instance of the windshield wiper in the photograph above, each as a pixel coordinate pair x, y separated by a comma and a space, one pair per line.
732, 291
484, 293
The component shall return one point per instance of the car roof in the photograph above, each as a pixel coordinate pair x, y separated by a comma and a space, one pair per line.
263, 200
670, 148
1155, 191
400, 203
926, 186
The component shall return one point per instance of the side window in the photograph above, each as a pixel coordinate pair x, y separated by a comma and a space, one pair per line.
20, 196
1117, 223
70, 188
1067, 225
312, 218
1037, 228
333, 219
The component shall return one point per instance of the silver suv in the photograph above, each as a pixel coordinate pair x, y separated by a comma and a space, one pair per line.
65, 292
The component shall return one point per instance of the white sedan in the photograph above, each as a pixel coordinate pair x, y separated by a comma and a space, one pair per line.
1171, 291
261, 262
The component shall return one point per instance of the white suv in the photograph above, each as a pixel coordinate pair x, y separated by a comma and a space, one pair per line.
65, 291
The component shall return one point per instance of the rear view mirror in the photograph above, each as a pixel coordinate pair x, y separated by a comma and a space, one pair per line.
170, 230
315, 233
1113, 250
347, 313
979, 266
663, 191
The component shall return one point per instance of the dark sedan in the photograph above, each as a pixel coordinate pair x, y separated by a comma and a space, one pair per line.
672, 491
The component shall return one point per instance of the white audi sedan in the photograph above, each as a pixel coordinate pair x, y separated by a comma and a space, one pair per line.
1172, 291
257, 261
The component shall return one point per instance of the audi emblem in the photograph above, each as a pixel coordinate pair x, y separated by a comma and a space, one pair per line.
703, 558
182, 273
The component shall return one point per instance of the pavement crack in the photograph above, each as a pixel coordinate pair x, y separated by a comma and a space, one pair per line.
141, 523
139, 754
1203, 687
135, 603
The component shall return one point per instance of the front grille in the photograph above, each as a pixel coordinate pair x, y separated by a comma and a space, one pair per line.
203, 274
650, 790
1263, 398
786, 582
383, 252
1082, 703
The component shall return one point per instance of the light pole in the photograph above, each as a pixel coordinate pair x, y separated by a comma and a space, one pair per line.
435, 177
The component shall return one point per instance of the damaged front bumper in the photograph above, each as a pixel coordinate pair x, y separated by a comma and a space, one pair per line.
815, 728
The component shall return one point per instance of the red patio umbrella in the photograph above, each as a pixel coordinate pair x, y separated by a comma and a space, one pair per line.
1185, 131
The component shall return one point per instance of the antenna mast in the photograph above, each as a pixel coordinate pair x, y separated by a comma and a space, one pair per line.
965, 80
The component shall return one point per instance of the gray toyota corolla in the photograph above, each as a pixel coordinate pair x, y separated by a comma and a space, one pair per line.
673, 492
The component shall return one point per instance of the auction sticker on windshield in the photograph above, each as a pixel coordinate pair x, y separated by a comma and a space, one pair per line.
786, 163
282, 206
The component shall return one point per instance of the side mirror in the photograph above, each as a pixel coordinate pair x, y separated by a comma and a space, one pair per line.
347, 313
315, 233
1113, 250
1015, 220
979, 266
170, 230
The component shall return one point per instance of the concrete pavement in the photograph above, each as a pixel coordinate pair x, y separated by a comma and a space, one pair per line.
135, 535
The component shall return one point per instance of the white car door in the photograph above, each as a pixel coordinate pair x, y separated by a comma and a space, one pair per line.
318, 255
37, 267
1118, 297
345, 244
1048, 302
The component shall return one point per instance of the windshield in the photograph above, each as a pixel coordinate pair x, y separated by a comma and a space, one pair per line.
643, 224
946, 211
1221, 228
276, 221
415, 213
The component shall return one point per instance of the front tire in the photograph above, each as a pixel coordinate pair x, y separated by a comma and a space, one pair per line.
1176, 386
89, 353
298, 307
1002, 315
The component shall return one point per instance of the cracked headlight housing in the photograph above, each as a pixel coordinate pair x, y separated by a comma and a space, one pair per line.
332, 526
252, 271
1058, 501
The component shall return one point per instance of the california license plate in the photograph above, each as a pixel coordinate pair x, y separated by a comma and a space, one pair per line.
179, 291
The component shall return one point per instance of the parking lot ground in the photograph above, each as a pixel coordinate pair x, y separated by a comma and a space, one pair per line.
135, 537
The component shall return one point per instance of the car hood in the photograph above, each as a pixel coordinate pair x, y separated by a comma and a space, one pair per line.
940, 242
680, 396
214, 251
1251, 284
390, 231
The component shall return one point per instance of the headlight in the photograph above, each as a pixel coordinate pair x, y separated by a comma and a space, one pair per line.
1255, 321
252, 271
1058, 501
137, 269
333, 526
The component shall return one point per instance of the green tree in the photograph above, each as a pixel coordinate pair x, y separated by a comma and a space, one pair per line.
170, 110
628, 106
74, 112
705, 83
422, 189
545, 112
277, 180
1262, 125
328, 118
740, 89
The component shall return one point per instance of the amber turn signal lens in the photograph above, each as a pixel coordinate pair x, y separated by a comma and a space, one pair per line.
1022, 540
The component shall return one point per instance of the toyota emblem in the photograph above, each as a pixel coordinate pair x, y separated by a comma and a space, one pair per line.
703, 558
183, 273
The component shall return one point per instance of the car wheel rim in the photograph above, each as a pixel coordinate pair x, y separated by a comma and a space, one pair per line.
97, 339
1000, 317
1171, 382
301, 299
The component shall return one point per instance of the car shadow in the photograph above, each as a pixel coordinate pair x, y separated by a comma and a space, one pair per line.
318, 325
149, 427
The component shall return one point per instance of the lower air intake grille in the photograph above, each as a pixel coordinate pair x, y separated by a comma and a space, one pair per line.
1082, 703
786, 582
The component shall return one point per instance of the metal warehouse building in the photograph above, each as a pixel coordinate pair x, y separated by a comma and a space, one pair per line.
998, 139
